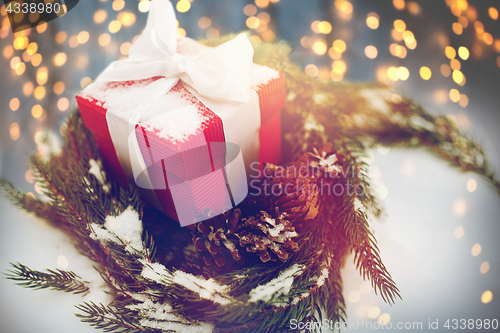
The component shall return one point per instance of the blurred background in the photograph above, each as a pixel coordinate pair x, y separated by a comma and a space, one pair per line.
439, 238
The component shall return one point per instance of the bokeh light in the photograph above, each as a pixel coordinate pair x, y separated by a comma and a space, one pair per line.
14, 131
204, 22
487, 296
28, 88
59, 87
118, 5
253, 22
425, 72
476, 250
372, 20
60, 59
262, 3
212, 33
104, 39
354, 296
61, 37
183, 6
83, 37
250, 10
374, 312
39, 92
144, 6
484, 268
493, 12
42, 75
371, 51
460, 205
400, 25
63, 104
399, 4
339, 45
455, 64
445, 70
73, 41
384, 319
459, 232
114, 26
457, 28
100, 16
403, 73
29, 176
125, 47
319, 47
311, 70
85, 81
463, 101
454, 95
36, 111
450, 52
14, 104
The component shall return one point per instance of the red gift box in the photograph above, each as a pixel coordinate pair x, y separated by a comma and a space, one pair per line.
194, 161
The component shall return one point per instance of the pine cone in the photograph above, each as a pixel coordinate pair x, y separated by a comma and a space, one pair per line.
270, 237
290, 194
295, 196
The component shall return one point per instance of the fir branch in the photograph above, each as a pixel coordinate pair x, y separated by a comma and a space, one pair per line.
30, 203
367, 257
316, 113
110, 318
56, 280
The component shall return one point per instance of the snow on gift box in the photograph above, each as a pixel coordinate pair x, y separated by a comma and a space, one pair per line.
191, 115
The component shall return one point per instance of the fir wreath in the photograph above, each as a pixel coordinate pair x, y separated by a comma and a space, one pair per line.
273, 258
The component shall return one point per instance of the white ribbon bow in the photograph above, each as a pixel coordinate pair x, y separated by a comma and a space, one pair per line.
223, 72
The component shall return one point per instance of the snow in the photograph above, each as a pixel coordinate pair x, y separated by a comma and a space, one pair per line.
174, 116
48, 144
322, 278
207, 289
160, 316
419, 122
261, 75
377, 99
312, 124
123, 97
229, 245
329, 163
271, 221
153, 271
358, 205
173, 124
177, 327
100, 175
274, 232
283, 237
125, 229
278, 286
